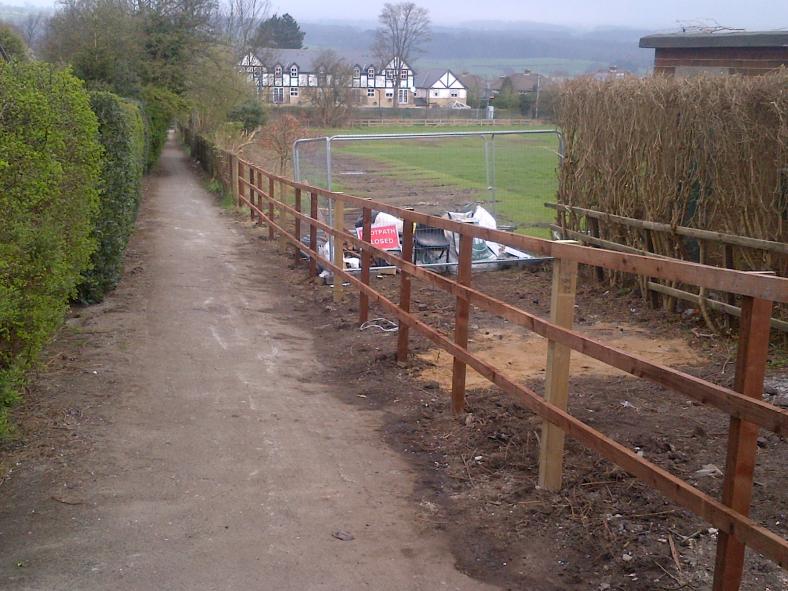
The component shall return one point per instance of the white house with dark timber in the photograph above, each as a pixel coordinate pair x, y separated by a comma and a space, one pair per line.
440, 88
289, 76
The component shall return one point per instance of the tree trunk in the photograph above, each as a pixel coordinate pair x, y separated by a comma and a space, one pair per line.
395, 98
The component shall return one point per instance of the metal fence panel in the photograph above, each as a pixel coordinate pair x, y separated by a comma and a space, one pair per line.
510, 173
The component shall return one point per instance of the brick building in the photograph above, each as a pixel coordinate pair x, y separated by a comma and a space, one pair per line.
718, 53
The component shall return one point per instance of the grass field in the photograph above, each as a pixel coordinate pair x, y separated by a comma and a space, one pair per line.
525, 170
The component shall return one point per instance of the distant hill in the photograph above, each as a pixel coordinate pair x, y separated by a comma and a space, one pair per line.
493, 48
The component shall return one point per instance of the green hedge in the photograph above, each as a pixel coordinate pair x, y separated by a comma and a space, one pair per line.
49, 171
122, 135
160, 106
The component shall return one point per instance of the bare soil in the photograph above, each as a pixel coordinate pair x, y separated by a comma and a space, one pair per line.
367, 177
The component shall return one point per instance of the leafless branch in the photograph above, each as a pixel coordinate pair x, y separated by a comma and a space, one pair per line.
403, 30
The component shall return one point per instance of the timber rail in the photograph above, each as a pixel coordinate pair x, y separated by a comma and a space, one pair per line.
597, 221
263, 193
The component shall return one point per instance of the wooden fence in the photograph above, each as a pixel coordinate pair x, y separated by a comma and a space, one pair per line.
725, 245
263, 193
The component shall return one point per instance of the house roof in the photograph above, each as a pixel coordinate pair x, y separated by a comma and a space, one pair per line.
718, 39
521, 82
306, 59
428, 78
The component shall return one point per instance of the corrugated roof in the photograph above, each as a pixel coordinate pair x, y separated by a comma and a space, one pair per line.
718, 39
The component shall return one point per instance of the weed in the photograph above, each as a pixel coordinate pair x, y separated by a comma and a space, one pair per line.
216, 187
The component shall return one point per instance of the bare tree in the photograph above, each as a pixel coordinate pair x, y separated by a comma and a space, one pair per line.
403, 30
332, 99
238, 21
279, 136
32, 26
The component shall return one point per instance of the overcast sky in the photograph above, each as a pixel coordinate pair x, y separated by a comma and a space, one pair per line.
751, 14
648, 14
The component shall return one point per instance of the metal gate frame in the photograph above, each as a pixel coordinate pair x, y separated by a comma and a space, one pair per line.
489, 152
489, 146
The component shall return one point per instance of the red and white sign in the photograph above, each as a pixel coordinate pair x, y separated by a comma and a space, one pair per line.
382, 237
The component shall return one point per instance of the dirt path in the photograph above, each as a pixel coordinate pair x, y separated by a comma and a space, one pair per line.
192, 443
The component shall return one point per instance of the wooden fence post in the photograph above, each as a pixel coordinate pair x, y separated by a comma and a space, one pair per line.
313, 235
593, 226
404, 290
239, 174
562, 308
751, 359
283, 198
461, 315
730, 263
339, 252
654, 297
252, 192
297, 223
366, 263
561, 221
262, 192
270, 207
232, 169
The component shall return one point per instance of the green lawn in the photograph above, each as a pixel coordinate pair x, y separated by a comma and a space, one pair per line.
525, 170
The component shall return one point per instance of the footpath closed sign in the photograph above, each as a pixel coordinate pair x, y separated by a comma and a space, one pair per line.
383, 237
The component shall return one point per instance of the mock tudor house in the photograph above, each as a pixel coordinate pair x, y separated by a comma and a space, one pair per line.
285, 77
288, 76
440, 88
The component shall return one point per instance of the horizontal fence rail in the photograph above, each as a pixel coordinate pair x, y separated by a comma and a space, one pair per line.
254, 188
645, 228
697, 233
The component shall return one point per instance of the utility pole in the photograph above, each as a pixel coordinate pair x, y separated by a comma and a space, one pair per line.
536, 106
486, 99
